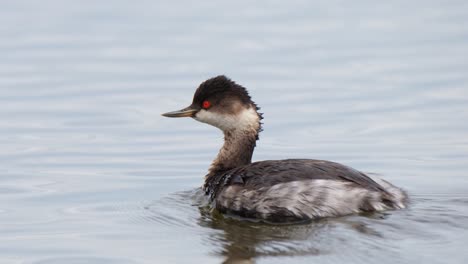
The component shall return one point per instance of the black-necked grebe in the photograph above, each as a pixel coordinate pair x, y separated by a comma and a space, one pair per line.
276, 190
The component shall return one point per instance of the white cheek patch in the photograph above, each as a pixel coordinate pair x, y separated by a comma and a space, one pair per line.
246, 119
221, 121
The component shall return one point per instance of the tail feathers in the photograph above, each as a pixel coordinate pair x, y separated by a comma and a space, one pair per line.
395, 198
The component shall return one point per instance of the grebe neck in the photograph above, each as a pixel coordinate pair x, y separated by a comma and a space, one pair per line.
239, 143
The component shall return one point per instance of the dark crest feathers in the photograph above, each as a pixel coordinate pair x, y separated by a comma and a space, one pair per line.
221, 86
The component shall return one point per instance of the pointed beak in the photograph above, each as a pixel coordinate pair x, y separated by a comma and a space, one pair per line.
186, 112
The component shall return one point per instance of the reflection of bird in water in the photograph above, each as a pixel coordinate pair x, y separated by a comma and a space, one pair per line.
245, 241
276, 190
240, 241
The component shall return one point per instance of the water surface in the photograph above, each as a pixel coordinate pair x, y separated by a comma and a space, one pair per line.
91, 173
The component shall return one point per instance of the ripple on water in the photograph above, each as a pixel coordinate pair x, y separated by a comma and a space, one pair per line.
11, 190
179, 209
84, 260
25, 188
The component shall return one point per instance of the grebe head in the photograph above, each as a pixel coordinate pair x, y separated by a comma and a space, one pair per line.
224, 104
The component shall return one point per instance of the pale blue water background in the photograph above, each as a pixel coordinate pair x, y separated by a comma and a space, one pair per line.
91, 173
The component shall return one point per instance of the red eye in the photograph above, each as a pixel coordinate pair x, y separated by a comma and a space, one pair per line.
206, 104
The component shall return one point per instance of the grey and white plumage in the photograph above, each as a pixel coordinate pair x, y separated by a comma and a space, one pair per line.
276, 190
